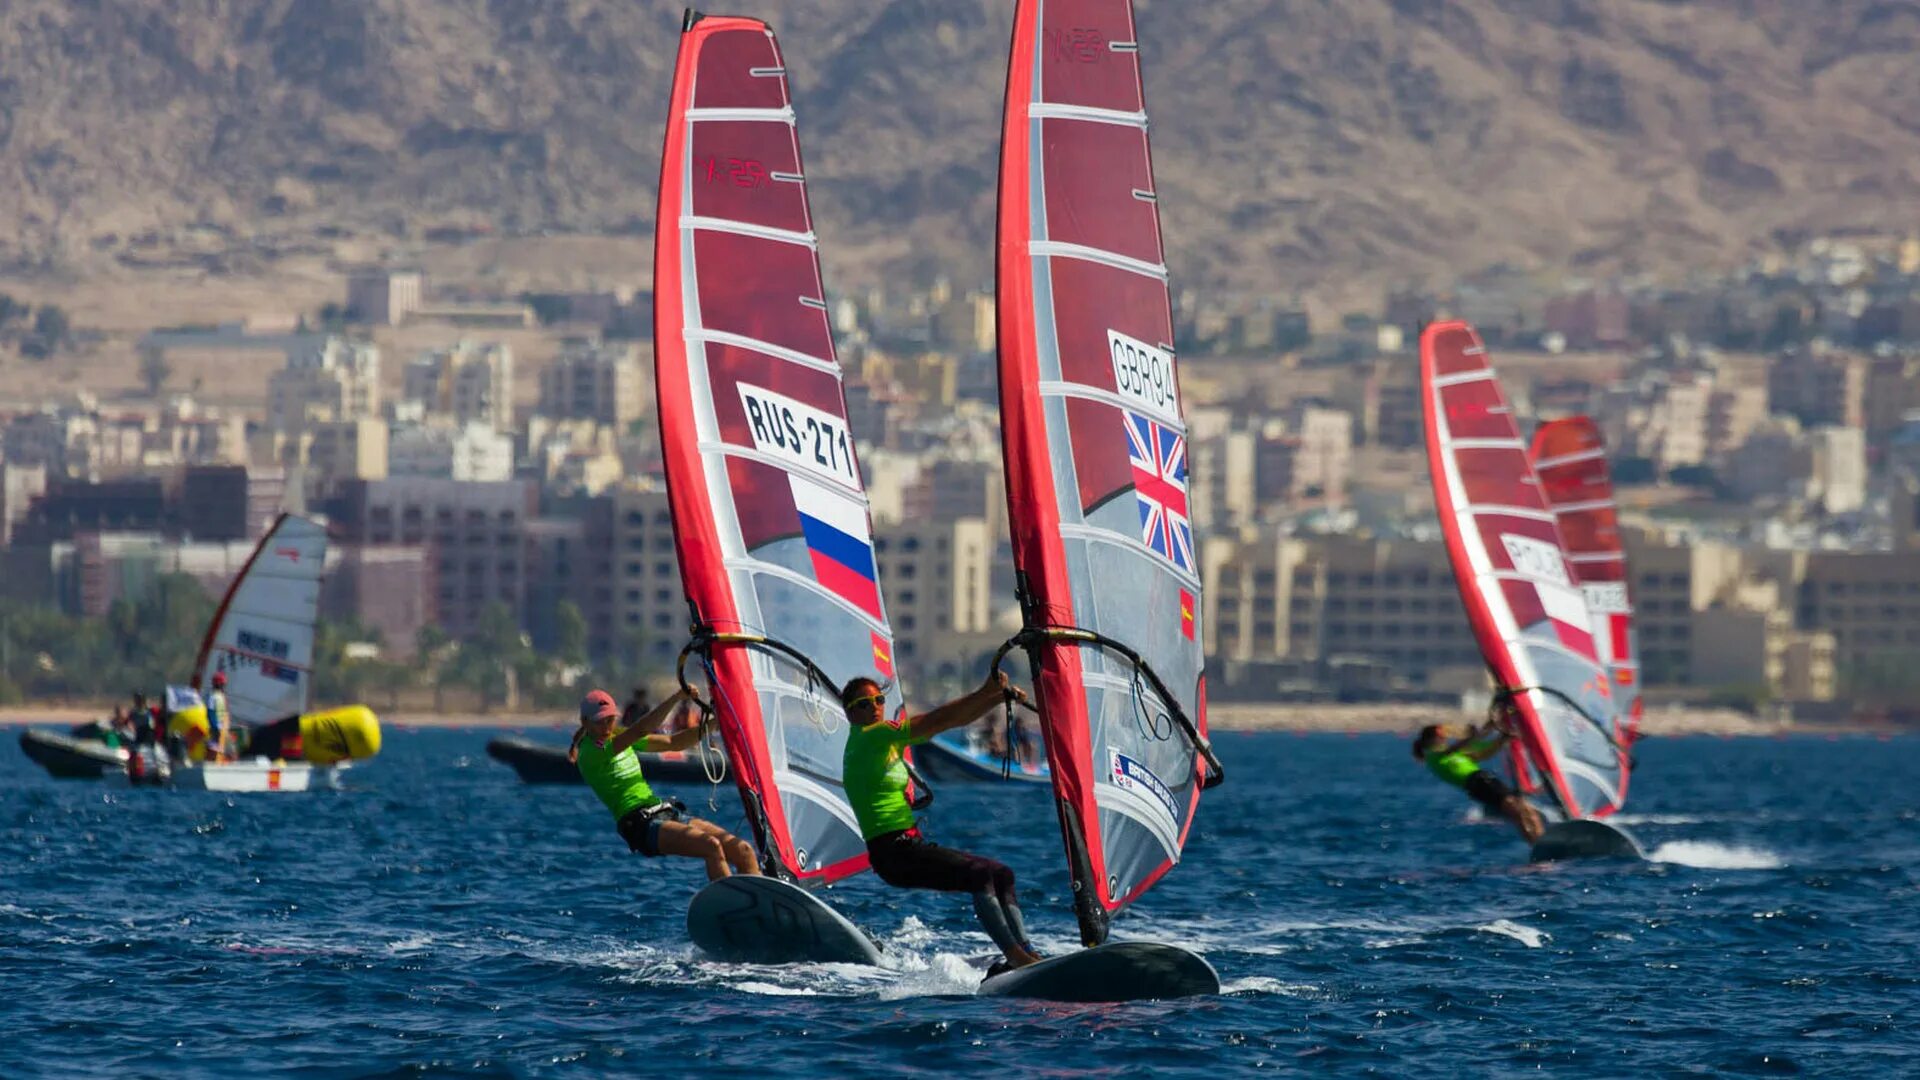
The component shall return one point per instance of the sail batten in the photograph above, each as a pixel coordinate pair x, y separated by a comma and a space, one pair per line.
1095, 453
770, 516
1521, 591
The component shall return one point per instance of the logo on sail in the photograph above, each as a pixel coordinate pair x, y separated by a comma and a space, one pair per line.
1131, 774
1158, 454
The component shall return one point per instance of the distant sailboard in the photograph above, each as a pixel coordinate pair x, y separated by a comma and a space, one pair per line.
770, 515
1096, 459
1521, 593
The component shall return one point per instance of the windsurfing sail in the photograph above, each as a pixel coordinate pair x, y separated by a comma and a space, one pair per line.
261, 636
1520, 592
770, 514
1096, 454
1570, 458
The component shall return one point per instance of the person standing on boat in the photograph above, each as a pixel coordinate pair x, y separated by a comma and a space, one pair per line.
649, 824
220, 720
1455, 757
875, 774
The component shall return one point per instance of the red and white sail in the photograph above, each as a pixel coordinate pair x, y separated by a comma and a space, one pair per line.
1520, 591
1570, 458
1095, 446
262, 633
770, 513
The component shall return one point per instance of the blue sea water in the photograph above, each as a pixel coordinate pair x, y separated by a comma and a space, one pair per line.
440, 918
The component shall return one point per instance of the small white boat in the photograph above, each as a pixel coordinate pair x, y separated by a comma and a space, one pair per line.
258, 775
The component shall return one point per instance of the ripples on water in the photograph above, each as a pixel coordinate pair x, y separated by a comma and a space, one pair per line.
440, 918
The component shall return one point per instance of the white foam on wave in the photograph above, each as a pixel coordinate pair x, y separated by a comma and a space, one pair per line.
1529, 936
1660, 819
1260, 984
1707, 855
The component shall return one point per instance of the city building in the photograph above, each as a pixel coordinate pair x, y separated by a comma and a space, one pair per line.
592, 381
325, 379
470, 381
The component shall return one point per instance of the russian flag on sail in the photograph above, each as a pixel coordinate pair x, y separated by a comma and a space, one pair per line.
839, 543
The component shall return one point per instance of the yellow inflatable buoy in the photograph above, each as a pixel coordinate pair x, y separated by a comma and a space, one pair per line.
190, 726
334, 735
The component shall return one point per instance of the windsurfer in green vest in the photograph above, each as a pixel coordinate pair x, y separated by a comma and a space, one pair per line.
649, 824
875, 775
1455, 757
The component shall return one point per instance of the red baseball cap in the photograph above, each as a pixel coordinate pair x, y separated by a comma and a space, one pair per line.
598, 705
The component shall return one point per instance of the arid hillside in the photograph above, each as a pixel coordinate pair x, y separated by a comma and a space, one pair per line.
1300, 143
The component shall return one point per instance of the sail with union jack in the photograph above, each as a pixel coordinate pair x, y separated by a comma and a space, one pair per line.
1158, 454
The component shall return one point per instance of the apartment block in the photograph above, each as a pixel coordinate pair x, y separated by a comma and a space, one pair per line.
325, 379
938, 582
469, 381
1819, 388
592, 381
476, 532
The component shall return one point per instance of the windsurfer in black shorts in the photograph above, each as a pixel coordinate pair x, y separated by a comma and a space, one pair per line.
876, 777
1455, 757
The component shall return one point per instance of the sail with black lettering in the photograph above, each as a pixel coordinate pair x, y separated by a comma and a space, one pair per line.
1095, 444
1521, 593
770, 513
1570, 458
261, 636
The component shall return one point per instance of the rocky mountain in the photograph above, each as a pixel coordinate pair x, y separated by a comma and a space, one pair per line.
1299, 143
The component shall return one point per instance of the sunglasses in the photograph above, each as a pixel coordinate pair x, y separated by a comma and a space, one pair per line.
878, 701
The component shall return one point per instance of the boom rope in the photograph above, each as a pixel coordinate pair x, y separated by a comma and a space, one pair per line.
1031, 638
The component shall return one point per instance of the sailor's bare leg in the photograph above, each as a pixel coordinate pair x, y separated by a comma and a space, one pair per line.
681, 838
1524, 817
739, 853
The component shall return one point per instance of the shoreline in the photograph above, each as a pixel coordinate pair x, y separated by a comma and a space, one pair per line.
1221, 717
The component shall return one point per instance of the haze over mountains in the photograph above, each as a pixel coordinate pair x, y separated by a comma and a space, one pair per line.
1298, 142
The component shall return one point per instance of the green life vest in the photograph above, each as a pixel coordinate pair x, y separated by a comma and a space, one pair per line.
1454, 768
616, 778
875, 777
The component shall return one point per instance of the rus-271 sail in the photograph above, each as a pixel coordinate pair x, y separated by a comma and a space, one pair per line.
769, 511
1096, 460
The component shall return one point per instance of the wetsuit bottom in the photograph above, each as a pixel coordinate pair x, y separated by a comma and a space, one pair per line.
640, 827
1488, 790
907, 860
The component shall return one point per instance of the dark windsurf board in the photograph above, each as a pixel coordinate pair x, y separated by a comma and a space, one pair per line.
1584, 839
763, 920
1117, 971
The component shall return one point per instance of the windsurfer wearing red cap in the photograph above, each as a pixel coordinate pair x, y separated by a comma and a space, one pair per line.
649, 824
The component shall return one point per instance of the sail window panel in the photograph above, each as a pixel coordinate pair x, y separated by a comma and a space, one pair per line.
763, 503
759, 288
1499, 477
1091, 303
735, 171
1475, 410
725, 77
1100, 460
1450, 355
1092, 172
1078, 63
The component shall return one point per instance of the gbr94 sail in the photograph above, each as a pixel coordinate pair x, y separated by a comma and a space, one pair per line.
770, 515
1096, 455
1522, 595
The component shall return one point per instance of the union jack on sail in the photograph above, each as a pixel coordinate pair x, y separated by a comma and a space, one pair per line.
1159, 457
